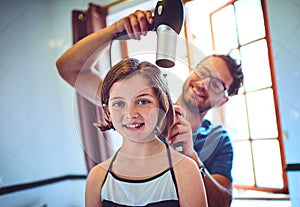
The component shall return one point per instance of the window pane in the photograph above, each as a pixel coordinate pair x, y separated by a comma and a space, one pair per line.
242, 171
255, 64
235, 53
267, 163
237, 122
250, 20
224, 30
261, 112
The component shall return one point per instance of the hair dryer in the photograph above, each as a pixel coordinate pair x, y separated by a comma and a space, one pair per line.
168, 19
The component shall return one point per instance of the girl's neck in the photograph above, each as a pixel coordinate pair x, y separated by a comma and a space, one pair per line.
141, 160
142, 149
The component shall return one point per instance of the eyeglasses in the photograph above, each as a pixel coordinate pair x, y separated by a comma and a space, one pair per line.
215, 84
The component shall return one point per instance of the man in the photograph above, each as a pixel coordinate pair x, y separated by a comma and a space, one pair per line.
214, 79
206, 87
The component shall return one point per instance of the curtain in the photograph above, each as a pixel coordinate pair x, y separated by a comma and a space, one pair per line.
95, 144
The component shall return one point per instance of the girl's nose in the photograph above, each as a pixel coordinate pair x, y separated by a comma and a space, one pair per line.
131, 111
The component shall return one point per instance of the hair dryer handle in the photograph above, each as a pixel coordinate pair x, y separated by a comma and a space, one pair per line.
124, 36
179, 147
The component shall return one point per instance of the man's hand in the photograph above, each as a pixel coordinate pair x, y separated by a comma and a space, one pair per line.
181, 132
135, 24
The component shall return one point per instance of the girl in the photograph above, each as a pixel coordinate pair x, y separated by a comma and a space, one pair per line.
144, 171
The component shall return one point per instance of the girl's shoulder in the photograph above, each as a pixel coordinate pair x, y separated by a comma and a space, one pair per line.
98, 172
183, 166
180, 161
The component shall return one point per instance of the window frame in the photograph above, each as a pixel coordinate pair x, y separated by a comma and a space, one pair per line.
280, 136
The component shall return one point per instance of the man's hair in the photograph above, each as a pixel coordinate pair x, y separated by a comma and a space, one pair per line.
236, 72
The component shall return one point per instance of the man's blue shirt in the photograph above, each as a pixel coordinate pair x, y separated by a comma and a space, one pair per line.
214, 148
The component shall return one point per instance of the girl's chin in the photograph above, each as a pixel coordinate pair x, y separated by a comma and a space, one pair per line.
141, 138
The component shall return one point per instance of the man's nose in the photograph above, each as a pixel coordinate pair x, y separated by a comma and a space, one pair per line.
203, 83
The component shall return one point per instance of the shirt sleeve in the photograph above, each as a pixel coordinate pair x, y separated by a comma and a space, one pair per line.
220, 160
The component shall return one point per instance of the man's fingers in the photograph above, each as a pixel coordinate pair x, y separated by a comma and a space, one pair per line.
136, 24
179, 111
176, 134
144, 20
149, 16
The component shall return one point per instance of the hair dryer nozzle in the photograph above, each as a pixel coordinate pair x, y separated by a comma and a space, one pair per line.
166, 46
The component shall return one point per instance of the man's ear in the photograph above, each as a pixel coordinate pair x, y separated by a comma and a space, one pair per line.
106, 111
222, 101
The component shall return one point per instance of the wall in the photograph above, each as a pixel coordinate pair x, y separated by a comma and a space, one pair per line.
284, 17
38, 139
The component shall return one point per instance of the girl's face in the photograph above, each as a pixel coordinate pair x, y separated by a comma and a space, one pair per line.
133, 109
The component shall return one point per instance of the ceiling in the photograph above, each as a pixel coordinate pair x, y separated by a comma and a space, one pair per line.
113, 2
206, 5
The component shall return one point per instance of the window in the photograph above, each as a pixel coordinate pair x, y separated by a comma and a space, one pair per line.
239, 27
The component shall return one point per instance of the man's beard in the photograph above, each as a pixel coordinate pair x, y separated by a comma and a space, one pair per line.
191, 102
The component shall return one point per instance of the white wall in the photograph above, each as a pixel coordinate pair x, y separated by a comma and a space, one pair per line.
38, 139
284, 19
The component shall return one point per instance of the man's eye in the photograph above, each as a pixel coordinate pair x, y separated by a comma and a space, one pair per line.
143, 101
204, 74
118, 104
216, 84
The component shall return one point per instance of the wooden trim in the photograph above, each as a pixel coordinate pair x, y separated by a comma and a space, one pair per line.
257, 188
228, 3
188, 40
26, 186
275, 91
124, 49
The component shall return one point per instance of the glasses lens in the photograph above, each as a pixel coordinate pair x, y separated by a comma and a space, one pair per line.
216, 85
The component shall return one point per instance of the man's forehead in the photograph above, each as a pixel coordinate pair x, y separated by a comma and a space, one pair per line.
213, 63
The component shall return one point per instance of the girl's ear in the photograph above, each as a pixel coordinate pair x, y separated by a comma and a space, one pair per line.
106, 111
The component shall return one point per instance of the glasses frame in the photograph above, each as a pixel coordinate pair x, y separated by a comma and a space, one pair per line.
211, 78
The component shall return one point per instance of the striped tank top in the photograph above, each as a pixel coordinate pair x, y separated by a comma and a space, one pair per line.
159, 190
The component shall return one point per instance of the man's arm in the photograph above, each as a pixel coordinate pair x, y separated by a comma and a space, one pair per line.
75, 66
218, 187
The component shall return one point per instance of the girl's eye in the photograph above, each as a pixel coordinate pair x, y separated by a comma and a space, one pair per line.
143, 101
118, 104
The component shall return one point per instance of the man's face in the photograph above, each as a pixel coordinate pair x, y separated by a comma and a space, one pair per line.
206, 86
